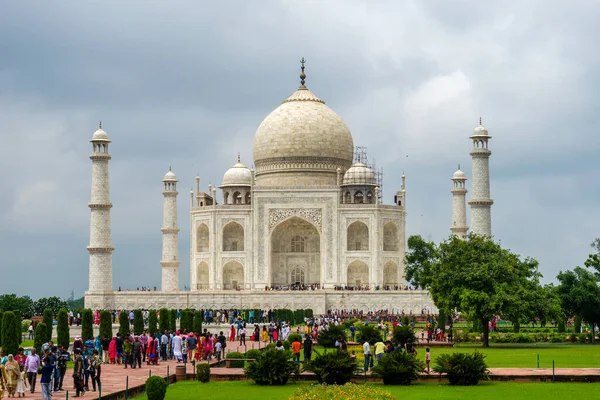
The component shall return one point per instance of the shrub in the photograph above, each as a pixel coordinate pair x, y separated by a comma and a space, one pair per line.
203, 372
123, 324
87, 327
293, 336
286, 344
184, 320
173, 319
398, 368
18, 330
272, 367
348, 391
236, 364
198, 321
10, 344
334, 367
152, 322
371, 333
347, 324
462, 368
253, 353
190, 326
106, 324
156, 388
47, 319
39, 336
138, 322
582, 337
163, 322
62, 328
271, 346
327, 337
405, 320
402, 335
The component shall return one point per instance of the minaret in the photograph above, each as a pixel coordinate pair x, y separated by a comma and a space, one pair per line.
100, 248
481, 218
459, 204
170, 259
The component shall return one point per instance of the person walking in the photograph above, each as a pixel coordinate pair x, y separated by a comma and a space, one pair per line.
47, 371
242, 334
78, 373
95, 370
137, 353
367, 354
32, 364
296, 346
307, 349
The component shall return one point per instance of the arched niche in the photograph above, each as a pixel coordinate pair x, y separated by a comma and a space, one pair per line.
390, 274
233, 275
357, 237
358, 273
202, 241
202, 277
233, 237
390, 237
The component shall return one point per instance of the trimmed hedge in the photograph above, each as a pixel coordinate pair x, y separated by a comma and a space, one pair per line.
164, 320
10, 344
39, 336
152, 322
87, 324
198, 322
62, 328
236, 364
203, 372
18, 329
173, 319
123, 324
105, 324
47, 319
138, 322
156, 388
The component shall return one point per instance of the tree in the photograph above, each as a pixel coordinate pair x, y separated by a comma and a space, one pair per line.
123, 324
54, 303
39, 336
476, 276
401, 335
579, 294
47, 319
173, 318
198, 322
164, 321
190, 326
62, 328
106, 324
138, 322
18, 327
420, 258
10, 345
593, 260
152, 322
12, 302
87, 324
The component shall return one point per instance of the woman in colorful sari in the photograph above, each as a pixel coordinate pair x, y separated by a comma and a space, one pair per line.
112, 350
232, 334
152, 351
200, 348
264, 334
12, 375
2, 381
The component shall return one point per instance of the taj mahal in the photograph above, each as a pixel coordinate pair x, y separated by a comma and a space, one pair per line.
309, 214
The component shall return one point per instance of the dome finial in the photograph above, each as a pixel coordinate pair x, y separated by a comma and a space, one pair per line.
169, 168
302, 74
459, 167
480, 123
239, 157
100, 125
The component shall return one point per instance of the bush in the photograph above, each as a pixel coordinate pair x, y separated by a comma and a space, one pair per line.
190, 326
163, 322
47, 319
402, 335
156, 388
184, 320
173, 319
327, 337
293, 336
87, 324
271, 346
105, 324
18, 330
348, 391
253, 354
398, 368
10, 344
152, 322
123, 324
371, 333
462, 368
236, 364
347, 324
62, 328
203, 372
334, 367
138, 322
272, 367
39, 336
198, 319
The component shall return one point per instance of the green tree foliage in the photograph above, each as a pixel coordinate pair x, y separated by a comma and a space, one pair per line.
333, 368
401, 335
579, 293
152, 322
198, 322
420, 259
190, 325
87, 324
138, 322
39, 336
18, 328
441, 320
184, 320
398, 368
238, 355
47, 319
53, 303
123, 324
479, 278
462, 368
272, 367
75, 304
173, 318
203, 372
593, 260
369, 332
164, 322
62, 328
106, 324
327, 337
156, 388
13, 302
10, 344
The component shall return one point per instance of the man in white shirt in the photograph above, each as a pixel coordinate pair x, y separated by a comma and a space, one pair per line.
367, 353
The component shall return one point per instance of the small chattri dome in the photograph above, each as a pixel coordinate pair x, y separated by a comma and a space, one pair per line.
238, 175
480, 130
458, 174
359, 174
170, 176
100, 135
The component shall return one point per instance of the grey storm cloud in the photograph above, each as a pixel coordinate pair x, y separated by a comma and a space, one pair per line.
187, 83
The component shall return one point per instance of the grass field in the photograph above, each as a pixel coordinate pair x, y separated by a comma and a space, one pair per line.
426, 391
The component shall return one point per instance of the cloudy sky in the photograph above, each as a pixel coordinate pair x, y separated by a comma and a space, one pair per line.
187, 83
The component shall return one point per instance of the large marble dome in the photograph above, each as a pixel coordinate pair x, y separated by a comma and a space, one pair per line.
302, 143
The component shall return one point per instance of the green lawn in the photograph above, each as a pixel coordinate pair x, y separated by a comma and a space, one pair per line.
427, 391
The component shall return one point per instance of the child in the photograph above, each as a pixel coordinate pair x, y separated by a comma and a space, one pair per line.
22, 382
353, 355
422, 334
427, 358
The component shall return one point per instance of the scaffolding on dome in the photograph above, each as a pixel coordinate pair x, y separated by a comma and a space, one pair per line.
360, 155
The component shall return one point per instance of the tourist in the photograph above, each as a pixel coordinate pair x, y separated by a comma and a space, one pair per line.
21, 357
30, 331
127, 352
46, 378
63, 357
112, 350
264, 334
95, 369
105, 342
208, 347
137, 349
32, 364
2, 380
427, 358
176, 348
353, 356
279, 345
164, 341
352, 332
78, 373
152, 350
221, 339
22, 382
379, 351
192, 344
242, 334
307, 349
86, 356
232, 333
296, 346
144, 341
13, 371
367, 354
120, 343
